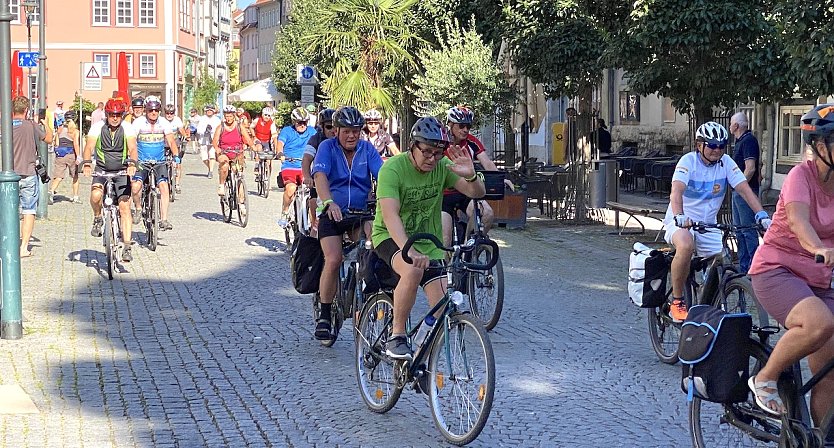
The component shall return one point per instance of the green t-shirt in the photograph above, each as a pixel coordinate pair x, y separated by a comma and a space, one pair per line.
420, 196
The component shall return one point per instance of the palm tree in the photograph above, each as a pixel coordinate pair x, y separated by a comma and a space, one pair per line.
365, 49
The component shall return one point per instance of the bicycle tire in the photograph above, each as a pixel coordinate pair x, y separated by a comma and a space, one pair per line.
109, 244
738, 296
172, 183
375, 372
663, 333
265, 179
752, 427
460, 428
152, 221
226, 202
486, 291
242, 212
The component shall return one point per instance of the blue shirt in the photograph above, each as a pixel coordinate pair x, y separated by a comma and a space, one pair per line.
349, 186
150, 138
294, 145
747, 147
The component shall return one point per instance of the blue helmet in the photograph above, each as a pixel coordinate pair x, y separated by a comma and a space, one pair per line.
430, 131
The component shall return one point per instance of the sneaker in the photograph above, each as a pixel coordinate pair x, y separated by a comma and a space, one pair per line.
75, 200
397, 348
323, 329
165, 225
137, 216
178, 188
221, 190
678, 311
126, 255
209, 174
51, 199
284, 220
98, 222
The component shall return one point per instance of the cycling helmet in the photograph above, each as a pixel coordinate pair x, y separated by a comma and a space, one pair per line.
819, 122
430, 131
299, 114
115, 106
326, 115
170, 109
460, 115
210, 107
153, 103
229, 109
138, 102
373, 115
70, 115
712, 133
348, 117
267, 112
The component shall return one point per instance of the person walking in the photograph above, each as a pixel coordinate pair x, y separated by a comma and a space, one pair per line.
24, 135
602, 139
205, 130
746, 156
98, 114
67, 153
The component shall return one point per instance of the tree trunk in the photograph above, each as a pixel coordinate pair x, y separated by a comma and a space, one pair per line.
703, 114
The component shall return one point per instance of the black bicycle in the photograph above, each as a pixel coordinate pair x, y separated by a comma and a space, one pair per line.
236, 197
454, 365
151, 204
712, 280
172, 175
112, 231
263, 172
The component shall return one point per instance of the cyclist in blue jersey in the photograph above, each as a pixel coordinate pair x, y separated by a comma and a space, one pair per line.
344, 169
152, 133
291, 143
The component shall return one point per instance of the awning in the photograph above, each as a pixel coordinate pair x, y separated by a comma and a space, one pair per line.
532, 100
263, 90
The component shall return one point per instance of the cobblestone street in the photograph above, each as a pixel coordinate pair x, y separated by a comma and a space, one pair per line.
204, 342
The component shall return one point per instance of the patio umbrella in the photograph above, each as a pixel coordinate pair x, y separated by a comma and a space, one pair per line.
263, 90
122, 75
17, 76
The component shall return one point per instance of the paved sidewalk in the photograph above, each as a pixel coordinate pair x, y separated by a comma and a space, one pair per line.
205, 343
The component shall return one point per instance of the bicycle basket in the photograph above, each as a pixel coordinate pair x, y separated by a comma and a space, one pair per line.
494, 183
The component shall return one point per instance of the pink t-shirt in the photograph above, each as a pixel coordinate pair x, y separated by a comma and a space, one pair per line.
781, 247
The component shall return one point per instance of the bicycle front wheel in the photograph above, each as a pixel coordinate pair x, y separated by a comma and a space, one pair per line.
109, 244
242, 202
736, 424
461, 379
227, 201
172, 183
375, 372
152, 221
486, 289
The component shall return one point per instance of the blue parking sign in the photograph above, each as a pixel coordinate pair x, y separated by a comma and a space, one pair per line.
28, 59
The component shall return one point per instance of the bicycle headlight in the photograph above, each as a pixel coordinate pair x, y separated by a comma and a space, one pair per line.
108, 201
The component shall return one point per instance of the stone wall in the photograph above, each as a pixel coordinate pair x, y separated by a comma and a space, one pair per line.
649, 137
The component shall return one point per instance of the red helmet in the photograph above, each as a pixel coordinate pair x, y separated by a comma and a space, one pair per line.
115, 106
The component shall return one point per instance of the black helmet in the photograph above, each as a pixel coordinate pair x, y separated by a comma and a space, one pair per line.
348, 117
326, 115
70, 115
817, 122
138, 102
170, 108
429, 130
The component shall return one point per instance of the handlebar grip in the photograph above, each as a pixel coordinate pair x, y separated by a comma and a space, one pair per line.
419, 236
819, 258
493, 259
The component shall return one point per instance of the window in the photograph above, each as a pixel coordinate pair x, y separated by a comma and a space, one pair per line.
791, 148
14, 9
147, 65
147, 12
669, 111
101, 12
104, 58
129, 58
124, 12
629, 108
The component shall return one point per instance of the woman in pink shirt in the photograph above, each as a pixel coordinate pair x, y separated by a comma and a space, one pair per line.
789, 284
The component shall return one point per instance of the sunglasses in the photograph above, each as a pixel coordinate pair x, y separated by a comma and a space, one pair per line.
169, 113
301, 123
152, 110
430, 153
464, 125
373, 122
114, 115
328, 126
715, 146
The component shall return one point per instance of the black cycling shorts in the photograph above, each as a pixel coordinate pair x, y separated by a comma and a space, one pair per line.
388, 249
161, 171
121, 184
328, 227
454, 201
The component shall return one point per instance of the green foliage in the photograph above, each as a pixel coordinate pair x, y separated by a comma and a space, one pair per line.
206, 91
807, 32
364, 50
702, 54
461, 70
282, 113
88, 107
307, 18
253, 107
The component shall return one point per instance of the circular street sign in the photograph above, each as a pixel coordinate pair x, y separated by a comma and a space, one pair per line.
307, 72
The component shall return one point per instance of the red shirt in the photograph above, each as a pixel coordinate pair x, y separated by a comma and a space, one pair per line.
475, 147
263, 130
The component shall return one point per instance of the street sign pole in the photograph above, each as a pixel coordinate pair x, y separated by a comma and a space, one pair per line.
11, 314
43, 151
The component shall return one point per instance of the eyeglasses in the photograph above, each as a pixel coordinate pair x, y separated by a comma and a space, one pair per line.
301, 123
430, 153
373, 122
152, 110
716, 146
328, 126
464, 125
114, 115
169, 113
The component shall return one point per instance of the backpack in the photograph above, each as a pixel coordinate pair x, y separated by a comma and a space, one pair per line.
647, 271
714, 349
306, 263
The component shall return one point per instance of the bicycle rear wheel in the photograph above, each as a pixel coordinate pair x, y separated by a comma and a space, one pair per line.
109, 244
375, 372
663, 333
486, 289
737, 424
242, 202
461, 379
152, 220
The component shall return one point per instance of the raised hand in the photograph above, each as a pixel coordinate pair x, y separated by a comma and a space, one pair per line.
462, 164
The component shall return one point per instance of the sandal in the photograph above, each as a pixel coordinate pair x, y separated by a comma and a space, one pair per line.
763, 397
322, 329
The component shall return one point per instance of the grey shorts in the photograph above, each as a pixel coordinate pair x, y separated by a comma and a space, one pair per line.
779, 290
63, 165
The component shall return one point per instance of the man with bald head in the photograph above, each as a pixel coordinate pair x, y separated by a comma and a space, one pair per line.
746, 156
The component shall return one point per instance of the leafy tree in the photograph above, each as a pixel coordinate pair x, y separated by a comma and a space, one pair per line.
282, 113
307, 18
703, 54
206, 91
253, 107
364, 48
807, 32
461, 70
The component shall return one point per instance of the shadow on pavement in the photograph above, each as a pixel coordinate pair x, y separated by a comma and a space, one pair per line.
268, 244
209, 216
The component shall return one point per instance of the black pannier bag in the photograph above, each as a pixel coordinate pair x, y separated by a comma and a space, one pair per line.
374, 272
306, 263
647, 271
714, 350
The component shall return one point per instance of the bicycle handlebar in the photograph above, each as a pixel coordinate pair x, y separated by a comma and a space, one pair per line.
700, 226
468, 247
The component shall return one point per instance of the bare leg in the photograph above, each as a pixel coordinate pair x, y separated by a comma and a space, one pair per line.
27, 226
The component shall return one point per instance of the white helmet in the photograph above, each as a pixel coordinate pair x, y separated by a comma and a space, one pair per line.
267, 111
373, 115
229, 109
712, 133
299, 114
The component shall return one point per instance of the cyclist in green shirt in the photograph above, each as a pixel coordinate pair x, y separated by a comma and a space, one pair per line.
410, 194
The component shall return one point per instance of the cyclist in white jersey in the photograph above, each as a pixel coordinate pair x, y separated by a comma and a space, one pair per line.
178, 127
